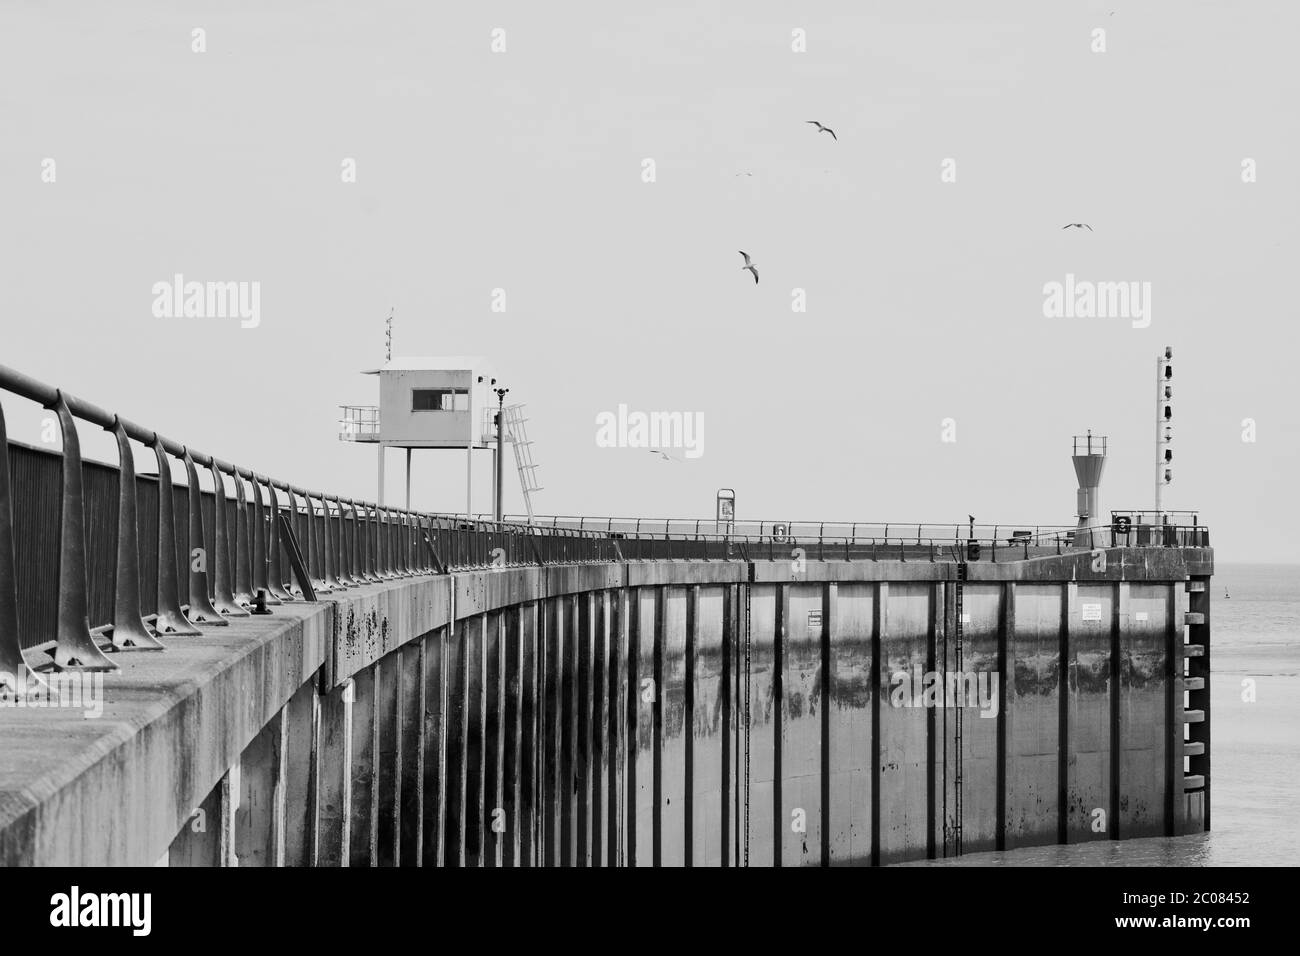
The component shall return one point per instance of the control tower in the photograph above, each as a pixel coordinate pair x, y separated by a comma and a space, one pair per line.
425, 403
1089, 462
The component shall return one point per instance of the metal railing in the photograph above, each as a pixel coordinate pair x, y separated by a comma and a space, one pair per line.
853, 530
87, 547
1182, 530
359, 423
92, 551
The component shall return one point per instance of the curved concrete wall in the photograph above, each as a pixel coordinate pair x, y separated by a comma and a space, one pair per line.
595, 715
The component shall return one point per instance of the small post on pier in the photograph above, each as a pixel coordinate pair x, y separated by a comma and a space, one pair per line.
1089, 462
499, 483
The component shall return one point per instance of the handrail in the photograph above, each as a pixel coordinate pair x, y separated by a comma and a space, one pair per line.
344, 542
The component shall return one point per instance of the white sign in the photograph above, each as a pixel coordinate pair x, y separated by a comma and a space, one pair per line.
814, 620
965, 618
1092, 612
1140, 615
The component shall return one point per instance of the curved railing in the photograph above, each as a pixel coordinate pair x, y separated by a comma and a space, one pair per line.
89, 550
87, 547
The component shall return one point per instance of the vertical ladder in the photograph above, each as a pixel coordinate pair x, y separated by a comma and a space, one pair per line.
517, 435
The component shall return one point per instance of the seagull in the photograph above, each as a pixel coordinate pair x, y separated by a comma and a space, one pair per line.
1077, 225
749, 265
824, 129
744, 174
663, 454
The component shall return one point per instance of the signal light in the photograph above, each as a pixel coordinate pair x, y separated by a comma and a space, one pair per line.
1169, 455
1169, 352
1169, 433
1169, 392
1169, 412
1169, 372
1169, 475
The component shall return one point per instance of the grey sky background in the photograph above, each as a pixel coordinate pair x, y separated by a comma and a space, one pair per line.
522, 171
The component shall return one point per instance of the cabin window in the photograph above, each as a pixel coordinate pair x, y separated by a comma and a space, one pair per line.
439, 400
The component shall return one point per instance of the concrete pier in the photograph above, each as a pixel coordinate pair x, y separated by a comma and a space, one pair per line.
644, 713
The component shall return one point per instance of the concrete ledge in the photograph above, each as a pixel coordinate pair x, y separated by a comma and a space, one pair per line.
371, 621
645, 573
1121, 564
115, 789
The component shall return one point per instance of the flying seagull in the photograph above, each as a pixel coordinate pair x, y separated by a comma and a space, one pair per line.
1077, 225
663, 454
824, 129
749, 265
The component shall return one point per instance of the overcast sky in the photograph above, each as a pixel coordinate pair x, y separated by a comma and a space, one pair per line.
523, 170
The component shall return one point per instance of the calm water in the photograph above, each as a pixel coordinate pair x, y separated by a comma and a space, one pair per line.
1255, 747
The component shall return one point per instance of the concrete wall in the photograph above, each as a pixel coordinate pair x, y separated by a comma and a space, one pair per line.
596, 715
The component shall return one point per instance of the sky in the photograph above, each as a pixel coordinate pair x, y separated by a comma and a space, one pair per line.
524, 170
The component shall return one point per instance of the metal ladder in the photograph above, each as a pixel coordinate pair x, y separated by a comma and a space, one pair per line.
517, 435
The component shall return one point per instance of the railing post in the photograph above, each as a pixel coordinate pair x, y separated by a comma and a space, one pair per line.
315, 567
295, 522
341, 562
276, 573
329, 560
223, 599
422, 552
369, 551
384, 540
76, 649
348, 522
261, 559
353, 543
129, 630
243, 557
16, 678
341, 549
358, 543
404, 542
170, 618
399, 550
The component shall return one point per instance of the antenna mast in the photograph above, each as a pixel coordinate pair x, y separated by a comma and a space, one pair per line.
388, 336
